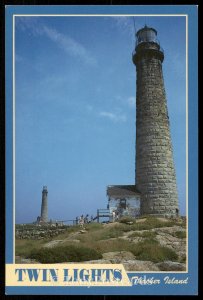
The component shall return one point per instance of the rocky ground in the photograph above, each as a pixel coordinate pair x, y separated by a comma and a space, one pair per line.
165, 236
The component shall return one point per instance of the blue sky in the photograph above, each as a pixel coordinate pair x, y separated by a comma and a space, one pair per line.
75, 109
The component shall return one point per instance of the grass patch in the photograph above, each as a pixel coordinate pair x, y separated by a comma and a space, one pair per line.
94, 226
149, 223
97, 232
100, 234
110, 233
113, 245
183, 259
24, 247
69, 229
144, 234
183, 224
180, 234
104, 245
152, 222
125, 220
64, 254
99, 239
151, 250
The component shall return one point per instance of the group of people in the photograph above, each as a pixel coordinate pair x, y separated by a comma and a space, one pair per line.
83, 220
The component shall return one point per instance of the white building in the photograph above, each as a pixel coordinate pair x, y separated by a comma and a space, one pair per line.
124, 200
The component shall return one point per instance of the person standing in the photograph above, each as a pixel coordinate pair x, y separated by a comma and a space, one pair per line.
113, 216
81, 221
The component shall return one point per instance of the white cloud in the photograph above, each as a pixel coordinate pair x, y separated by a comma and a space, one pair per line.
23, 23
116, 117
127, 25
69, 45
65, 42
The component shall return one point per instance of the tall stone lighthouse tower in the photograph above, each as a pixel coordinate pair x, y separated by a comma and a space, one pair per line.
44, 207
155, 172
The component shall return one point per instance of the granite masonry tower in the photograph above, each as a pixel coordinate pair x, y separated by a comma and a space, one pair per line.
155, 172
44, 207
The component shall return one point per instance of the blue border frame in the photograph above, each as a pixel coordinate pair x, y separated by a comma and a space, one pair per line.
9, 136
192, 287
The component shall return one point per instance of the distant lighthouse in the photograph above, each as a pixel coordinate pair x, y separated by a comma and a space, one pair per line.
44, 207
155, 171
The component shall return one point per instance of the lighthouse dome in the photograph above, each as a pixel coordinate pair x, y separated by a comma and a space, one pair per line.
146, 34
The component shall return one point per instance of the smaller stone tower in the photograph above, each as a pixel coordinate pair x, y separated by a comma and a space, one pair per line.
44, 207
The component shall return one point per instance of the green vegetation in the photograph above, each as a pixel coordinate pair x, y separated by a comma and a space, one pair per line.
64, 254
24, 247
151, 250
143, 234
113, 245
126, 220
180, 234
101, 238
183, 259
183, 222
69, 230
150, 223
103, 233
94, 226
